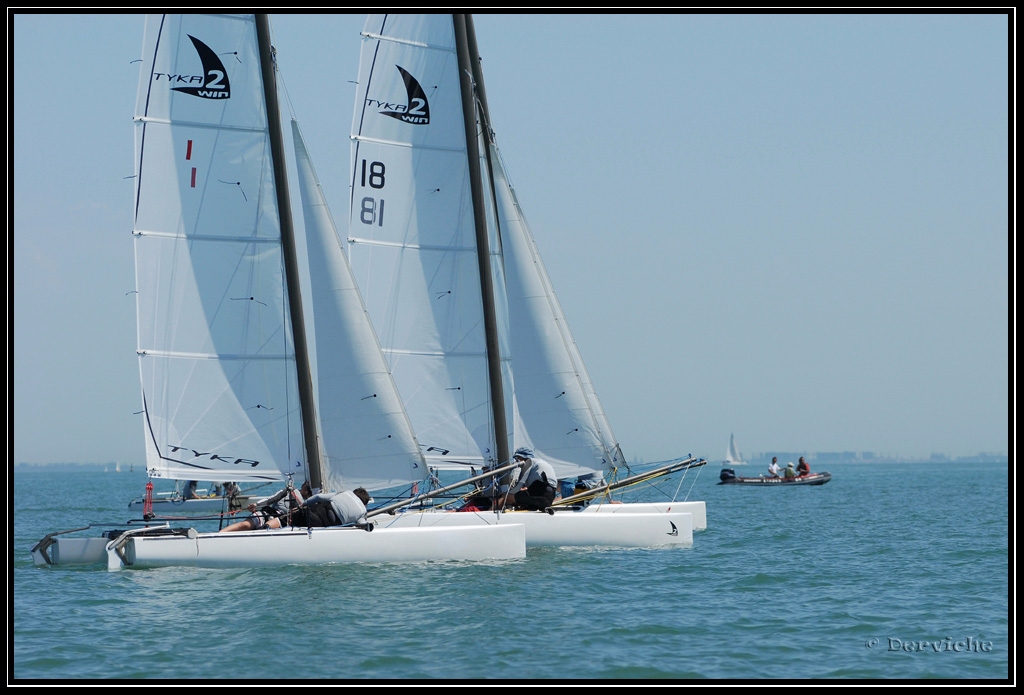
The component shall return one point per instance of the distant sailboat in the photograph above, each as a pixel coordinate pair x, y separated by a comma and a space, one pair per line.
732, 455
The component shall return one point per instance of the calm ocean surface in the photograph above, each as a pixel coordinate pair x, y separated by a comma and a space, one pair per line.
888, 572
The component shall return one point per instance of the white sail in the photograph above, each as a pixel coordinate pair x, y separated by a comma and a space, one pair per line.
411, 234
216, 357
732, 454
561, 415
367, 439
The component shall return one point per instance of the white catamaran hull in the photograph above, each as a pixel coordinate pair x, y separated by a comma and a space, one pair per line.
317, 546
70, 551
571, 528
562, 528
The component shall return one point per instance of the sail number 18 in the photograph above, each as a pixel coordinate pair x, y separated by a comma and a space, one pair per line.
372, 209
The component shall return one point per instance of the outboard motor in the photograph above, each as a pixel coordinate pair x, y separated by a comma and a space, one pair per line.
727, 474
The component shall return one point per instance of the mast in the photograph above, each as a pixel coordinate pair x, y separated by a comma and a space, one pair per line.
291, 259
485, 119
478, 78
466, 72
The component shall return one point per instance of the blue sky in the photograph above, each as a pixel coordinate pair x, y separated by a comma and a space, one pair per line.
790, 227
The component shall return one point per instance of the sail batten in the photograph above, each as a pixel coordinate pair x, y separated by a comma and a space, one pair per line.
152, 120
406, 42
392, 143
150, 352
204, 237
414, 247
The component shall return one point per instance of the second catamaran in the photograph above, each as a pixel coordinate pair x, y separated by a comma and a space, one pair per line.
476, 340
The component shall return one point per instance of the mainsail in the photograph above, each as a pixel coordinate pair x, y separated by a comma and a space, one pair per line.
216, 355
413, 241
221, 374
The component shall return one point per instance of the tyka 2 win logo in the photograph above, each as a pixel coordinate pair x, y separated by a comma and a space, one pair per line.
416, 110
212, 84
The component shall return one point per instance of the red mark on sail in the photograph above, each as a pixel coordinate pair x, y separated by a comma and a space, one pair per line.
188, 155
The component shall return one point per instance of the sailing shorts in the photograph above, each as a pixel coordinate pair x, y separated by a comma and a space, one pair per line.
315, 514
538, 496
260, 517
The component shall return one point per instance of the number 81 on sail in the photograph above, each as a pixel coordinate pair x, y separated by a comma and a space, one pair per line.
371, 209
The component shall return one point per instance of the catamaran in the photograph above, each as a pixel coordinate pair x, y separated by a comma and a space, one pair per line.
475, 337
227, 388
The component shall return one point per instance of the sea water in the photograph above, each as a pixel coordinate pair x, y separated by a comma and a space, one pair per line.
887, 572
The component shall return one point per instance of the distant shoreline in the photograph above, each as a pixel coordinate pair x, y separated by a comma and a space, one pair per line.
85, 467
829, 458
